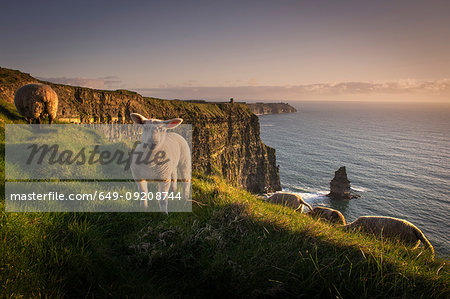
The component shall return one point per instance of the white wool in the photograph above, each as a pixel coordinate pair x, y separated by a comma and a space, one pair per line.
156, 141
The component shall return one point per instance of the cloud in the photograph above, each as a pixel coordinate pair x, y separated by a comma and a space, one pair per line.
107, 82
408, 89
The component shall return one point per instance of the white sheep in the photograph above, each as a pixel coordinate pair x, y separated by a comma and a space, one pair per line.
169, 151
331, 215
393, 228
291, 200
33, 101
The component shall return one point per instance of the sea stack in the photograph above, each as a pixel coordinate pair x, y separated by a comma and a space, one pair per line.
340, 185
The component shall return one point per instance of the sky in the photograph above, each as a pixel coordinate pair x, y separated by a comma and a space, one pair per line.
249, 50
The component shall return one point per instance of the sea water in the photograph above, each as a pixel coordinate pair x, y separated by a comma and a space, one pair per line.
397, 158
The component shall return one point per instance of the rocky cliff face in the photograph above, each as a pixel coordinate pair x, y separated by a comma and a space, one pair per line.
225, 141
271, 108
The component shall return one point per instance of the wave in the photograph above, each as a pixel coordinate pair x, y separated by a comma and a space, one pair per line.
309, 196
360, 189
314, 197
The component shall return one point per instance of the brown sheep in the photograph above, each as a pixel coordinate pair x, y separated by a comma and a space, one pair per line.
292, 200
331, 215
33, 101
392, 228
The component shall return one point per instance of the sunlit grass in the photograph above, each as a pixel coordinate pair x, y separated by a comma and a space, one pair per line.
232, 242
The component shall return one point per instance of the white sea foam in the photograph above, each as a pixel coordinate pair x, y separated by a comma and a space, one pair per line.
309, 196
360, 189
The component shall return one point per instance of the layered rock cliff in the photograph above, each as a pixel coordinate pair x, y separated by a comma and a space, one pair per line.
270, 108
225, 137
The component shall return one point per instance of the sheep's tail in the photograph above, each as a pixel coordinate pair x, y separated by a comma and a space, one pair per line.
426, 243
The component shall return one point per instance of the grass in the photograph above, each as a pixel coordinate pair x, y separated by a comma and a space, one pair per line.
232, 244
8, 114
192, 111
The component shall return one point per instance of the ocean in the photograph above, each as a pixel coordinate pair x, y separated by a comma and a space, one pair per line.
397, 157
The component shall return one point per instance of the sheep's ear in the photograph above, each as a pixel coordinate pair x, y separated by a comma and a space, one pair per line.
173, 123
137, 118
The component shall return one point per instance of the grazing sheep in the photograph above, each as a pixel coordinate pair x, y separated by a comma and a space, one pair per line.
33, 101
331, 215
170, 148
392, 228
291, 200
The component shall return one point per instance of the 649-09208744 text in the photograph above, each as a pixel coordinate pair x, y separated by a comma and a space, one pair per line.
97, 195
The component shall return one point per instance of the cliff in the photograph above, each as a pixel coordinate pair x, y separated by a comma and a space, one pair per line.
225, 139
270, 108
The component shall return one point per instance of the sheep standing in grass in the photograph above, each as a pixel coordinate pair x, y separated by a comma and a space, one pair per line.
392, 228
291, 200
331, 215
171, 155
34, 101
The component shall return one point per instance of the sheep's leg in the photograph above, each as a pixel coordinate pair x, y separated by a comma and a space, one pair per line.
50, 120
163, 189
174, 182
143, 192
186, 189
29, 120
300, 207
38, 121
185, 178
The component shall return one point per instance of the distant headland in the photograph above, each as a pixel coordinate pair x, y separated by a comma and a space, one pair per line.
270, 108
260, 108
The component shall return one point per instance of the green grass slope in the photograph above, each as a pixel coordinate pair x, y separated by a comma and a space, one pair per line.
232, 244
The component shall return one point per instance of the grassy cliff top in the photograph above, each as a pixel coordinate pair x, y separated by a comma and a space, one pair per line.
17, 78
9, 76
231, 244
197, 111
